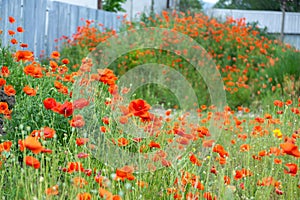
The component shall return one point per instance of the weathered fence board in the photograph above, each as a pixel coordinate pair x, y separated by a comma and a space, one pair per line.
45, 22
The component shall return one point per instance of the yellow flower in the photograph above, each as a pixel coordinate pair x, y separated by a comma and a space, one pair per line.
277, 133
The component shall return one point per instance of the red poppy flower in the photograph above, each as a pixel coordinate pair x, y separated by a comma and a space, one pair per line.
208, 196
277, 161
139, 108
103, 193
80, 103
274, 151
238, 175
84, 196
50, 103
290, 149
226, 180
262, 153
207, 143
81, 141
122, 142
33, 162
278, 103
66, 109
11, 19
65, 61
165, 162
23, 45
77, 121
5, 146
2, 82
74, 167
46, 151
3, 107
20, 29
125, 173
79, 182
29, 91
48, 132
291, 168
55, 55
244, 147
21, 145
220, 150
35, 70
153, 144
11, 33
105, 120
289, 102
107, 76
52, 190
195, 160
103, 129
24, 56
14, 41
242, 173
203, 131
267, 181
142, 184
53, 65
9, 90
213, 170
82, 155
33, 144
279, 192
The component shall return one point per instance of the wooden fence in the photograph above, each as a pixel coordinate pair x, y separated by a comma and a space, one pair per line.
269, 19
45, 21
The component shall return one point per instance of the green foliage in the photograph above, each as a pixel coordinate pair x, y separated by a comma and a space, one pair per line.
190, 5
262, 32
113, 5
286, 70
291, 6
6, 58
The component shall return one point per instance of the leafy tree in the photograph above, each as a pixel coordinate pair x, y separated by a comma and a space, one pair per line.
291, 5
192, 5
113, 5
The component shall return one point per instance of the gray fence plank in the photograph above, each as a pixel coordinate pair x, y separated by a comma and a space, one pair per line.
119, 22
1, 22
64, 22
92, 14
101, 19
74, 19
108, 20
53, 28
4, 16
41, 9
83, 13
29, 25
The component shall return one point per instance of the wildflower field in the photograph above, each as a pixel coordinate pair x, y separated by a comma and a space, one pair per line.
180, 106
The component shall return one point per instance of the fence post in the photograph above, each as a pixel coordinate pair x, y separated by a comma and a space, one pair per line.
99, 6
283, 20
